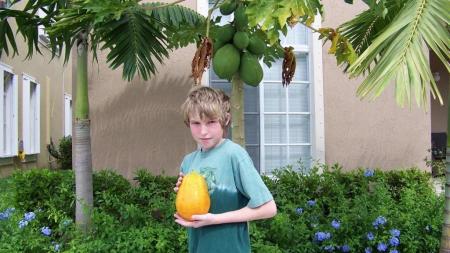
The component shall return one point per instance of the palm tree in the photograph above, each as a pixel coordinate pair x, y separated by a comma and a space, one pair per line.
136, 36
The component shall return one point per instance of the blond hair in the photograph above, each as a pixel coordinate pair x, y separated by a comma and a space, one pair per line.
207, 102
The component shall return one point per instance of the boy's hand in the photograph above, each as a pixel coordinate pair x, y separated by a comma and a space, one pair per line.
180, 179
197, 220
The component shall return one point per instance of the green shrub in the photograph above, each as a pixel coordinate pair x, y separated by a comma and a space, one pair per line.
62, 154
317, 212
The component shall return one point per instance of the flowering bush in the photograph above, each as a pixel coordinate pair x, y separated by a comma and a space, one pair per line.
359, 211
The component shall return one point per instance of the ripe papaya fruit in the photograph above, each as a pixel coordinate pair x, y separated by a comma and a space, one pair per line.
241, 40
192, 196
256, 45
250, 70
227, 7
240, 18
226, 61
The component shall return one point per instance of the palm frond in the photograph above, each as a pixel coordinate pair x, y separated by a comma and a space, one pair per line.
134, 41
28, 23
173, 15
399, 52
181, 25
365, 27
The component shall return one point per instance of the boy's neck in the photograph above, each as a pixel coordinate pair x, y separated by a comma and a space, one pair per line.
217, 145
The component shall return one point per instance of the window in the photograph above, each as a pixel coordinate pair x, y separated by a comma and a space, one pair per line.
31, 115
43, 36
284, 125
8, 112
67, 115
5, 3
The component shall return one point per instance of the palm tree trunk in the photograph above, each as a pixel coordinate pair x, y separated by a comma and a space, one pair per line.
82, 142
445, 239
237, 110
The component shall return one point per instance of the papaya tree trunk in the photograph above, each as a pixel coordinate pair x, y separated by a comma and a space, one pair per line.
82, 163
445, 239
237, 110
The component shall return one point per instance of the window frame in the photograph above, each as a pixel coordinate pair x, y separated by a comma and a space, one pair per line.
9, 129
31, 121
67, 114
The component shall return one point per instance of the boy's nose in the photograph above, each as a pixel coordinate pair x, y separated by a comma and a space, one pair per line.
203, 130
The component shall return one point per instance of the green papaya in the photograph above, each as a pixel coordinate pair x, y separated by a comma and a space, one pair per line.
216, 45
256, 45
241, 40
226, 61
250, 70
225, 33
240, 18
227, 7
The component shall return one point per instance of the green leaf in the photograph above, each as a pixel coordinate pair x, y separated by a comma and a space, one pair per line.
398, 53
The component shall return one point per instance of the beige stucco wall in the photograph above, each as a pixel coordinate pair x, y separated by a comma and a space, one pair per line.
55, 80
138, 124
364, 133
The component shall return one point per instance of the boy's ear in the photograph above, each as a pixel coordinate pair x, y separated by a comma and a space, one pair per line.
227, 119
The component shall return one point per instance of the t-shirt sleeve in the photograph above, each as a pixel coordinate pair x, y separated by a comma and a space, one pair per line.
184, 167
250, 183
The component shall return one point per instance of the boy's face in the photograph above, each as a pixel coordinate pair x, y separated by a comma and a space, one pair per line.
206, 132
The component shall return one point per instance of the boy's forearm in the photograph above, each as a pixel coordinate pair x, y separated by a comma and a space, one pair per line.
267, 210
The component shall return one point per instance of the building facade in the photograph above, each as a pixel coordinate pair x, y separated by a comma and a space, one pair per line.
318, 118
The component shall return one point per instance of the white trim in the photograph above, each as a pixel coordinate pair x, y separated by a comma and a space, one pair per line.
31, 107
318, 147
8, 135
202, 7
67, 115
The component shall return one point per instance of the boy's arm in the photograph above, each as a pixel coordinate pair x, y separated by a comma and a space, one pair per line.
266, 210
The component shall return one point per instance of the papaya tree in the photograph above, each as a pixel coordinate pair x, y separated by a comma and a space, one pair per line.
387, 42
137, 36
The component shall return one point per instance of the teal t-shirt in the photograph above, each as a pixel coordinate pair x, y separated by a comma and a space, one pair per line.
234, 183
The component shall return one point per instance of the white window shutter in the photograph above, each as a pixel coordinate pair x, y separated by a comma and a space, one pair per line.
26, 115
37, 118
15, 117
2, 117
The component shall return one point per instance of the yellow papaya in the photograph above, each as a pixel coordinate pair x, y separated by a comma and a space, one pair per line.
192, 196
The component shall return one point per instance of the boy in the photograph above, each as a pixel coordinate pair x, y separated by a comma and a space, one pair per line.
238, 194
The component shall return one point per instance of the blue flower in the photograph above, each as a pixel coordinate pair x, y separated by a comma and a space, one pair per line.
322, 236
394, 241
299, 210
393, 251
329, 248
379, 221
29, 216
370, 236
335, 224
345, 248
57, 247
395, 232
367, 250
46, 231
22, 223
311, 202
382, 247
369, 172
7, 213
